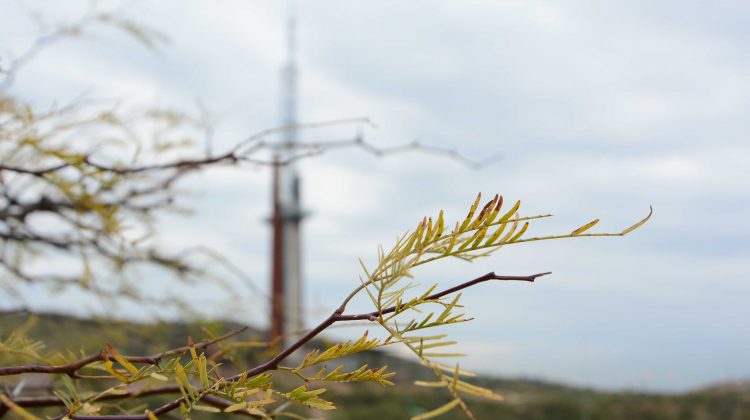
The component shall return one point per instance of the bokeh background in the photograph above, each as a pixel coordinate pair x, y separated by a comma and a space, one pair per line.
596, 109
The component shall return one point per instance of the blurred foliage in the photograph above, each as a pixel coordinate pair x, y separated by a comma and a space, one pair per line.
82, 182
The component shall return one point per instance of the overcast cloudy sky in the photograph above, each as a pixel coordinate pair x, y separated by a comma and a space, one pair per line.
598, 108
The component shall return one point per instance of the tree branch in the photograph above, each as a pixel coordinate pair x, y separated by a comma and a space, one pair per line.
336, 316
71, 368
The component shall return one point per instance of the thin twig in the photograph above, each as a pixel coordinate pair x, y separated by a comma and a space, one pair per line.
489, 276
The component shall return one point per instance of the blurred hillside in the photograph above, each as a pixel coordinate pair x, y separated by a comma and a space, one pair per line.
525, 399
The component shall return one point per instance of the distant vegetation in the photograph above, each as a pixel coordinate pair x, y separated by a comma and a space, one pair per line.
524, 399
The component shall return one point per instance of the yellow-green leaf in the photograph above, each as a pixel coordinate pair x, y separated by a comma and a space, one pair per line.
446, 368
639, 224
121, 360
438, 411
520, 232
25, 415
159, 377
236, 407
193, 354
203, 371
110, 368
584, 228
206, 408
471, 213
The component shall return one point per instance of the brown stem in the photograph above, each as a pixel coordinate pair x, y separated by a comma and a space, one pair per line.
436, 296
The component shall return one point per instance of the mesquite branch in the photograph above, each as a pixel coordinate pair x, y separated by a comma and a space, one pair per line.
337, 316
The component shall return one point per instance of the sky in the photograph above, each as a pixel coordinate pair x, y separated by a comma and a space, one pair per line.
597, 109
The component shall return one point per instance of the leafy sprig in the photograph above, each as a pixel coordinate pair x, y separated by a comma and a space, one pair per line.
479, 234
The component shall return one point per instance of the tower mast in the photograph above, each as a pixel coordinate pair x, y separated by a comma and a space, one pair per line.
286, 280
